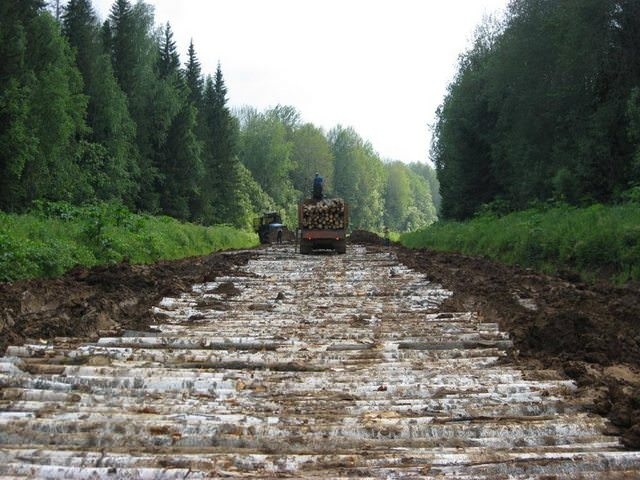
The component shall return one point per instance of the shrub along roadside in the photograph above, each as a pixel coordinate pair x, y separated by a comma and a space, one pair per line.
54, 237
597, 242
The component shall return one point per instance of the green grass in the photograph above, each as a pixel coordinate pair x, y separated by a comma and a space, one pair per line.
55, 237
595, 242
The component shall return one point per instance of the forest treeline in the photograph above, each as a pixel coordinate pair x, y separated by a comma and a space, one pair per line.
98, 110
545, 107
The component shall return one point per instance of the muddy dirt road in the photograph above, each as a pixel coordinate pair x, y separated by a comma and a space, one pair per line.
269, 364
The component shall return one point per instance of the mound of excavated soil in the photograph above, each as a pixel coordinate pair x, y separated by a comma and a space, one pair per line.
368, 238
86, 302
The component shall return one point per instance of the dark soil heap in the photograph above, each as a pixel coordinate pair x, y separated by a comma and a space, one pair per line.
365, 237
85, 302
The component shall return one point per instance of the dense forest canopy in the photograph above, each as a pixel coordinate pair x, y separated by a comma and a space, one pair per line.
105, 110
545, 106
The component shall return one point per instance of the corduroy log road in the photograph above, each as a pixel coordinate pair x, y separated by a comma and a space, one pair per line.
296, 366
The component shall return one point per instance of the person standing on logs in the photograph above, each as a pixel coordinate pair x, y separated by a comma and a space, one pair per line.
317, 187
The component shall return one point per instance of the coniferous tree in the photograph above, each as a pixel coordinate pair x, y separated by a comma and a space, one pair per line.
194, 81
18, 144
123, 46
80, 27
109, 159
182, 165
462, 152
221, 178
193, 77
168, 59
134, 55
156, 136
178, 156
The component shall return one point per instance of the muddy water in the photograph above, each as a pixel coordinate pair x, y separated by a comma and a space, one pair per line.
326, 366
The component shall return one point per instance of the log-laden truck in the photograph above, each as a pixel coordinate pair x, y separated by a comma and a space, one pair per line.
323, 225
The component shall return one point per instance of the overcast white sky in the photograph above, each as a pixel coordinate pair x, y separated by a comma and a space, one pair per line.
379, 66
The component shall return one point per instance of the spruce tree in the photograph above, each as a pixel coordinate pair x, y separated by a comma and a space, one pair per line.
182, 165
110, 158
122, 47
134, 55
193, 77
176, 147
168, 59
220, 203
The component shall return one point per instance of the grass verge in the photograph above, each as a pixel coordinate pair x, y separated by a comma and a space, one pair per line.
597, 242
55, 237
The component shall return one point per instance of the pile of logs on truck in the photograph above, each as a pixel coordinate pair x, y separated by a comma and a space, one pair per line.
323, 225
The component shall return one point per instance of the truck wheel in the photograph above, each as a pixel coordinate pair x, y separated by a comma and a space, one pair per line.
305, 249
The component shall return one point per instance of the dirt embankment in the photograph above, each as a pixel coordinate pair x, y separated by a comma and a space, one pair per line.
114, 298
591, 333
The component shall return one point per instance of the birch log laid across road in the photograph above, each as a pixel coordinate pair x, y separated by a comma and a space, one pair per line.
324, 214
316, 367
